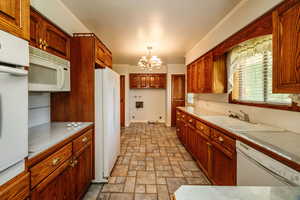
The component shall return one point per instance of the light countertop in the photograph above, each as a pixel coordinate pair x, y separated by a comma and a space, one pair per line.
44, 136
237, 193
279, 141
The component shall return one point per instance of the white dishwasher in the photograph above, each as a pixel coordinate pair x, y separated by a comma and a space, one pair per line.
257, 169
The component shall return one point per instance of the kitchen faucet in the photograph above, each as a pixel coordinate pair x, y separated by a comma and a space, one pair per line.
246, 117
243, 116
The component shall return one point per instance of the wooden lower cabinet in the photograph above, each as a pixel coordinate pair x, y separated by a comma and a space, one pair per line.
58, 186
223, 168
83, 170
17, 188
71, 179
202, 152
213, 151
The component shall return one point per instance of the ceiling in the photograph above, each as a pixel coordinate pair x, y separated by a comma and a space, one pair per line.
172, 27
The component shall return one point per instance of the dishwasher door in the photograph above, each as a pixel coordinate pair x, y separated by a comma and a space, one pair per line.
257, 169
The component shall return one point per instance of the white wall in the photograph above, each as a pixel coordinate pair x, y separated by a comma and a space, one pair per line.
157, 101
172, 69
243, 14
55, 11
39, 109
60, 15
239, 17
154, 105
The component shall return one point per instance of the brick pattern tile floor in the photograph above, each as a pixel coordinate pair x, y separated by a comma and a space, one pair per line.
153, 164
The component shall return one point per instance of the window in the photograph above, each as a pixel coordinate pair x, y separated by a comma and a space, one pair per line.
251, 73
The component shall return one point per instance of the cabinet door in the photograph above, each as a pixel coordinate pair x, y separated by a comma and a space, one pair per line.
189, 78
57, 186
191, 141
201, 75
35, 29
57, 42
162, 81
286, 49
14, 17
194, 78
143, 81
153, 81
223, 166
83, 170
202, 152
207, 74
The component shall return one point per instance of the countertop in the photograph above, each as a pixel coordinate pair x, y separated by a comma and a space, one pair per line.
237, 193
281, 142
44, 136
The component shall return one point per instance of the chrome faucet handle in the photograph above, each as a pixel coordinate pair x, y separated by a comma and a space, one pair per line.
245, 116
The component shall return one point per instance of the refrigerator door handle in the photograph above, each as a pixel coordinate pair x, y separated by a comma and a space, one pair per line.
13, 71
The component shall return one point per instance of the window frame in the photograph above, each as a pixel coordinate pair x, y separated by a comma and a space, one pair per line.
292, 107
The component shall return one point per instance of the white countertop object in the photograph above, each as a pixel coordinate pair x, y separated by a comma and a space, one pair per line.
277, 140
237, 193
46, 135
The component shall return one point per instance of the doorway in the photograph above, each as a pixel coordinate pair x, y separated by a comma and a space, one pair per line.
178, 94
122, 100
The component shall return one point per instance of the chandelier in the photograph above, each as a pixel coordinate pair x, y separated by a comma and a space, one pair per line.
149, 62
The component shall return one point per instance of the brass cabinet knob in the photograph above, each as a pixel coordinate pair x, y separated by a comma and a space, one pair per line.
85, 139
190, 120
221, 139
55, 161
40, 43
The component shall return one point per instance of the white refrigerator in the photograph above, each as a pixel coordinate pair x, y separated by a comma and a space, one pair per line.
107, 122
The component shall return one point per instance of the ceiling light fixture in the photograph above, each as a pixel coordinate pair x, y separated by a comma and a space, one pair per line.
149, 62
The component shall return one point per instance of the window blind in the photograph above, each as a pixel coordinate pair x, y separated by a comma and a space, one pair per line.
252, 79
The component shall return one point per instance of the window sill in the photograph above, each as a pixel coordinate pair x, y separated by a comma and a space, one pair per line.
292, 107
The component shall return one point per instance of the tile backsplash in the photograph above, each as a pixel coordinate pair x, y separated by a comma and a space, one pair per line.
39, 109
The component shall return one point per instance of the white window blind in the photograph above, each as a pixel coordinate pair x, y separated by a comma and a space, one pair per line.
252, 73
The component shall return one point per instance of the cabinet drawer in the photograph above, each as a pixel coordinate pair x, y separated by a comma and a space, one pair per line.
80, 142
223, 140
191, 121
48, 165
203, 128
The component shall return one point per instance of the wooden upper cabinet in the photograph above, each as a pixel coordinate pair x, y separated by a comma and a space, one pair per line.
48, 37
58, 185
103, 56
189, 78
139, 81
35, 27
207, 75
56, 41
286, 48
14, 17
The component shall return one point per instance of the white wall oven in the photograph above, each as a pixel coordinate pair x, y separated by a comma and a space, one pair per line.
14, 55
48, 73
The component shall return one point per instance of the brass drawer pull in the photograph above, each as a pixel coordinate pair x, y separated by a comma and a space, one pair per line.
85, 139
221, 139
55, 161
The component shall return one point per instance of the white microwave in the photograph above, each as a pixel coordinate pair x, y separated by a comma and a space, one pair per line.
47, 72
